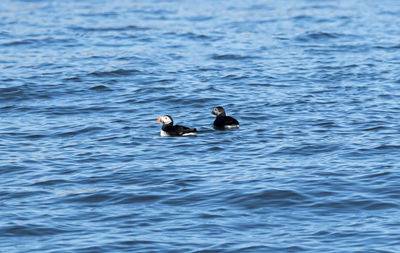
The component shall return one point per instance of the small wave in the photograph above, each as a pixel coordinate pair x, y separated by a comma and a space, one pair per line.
350, 205
200, 18
36, 136
380, 206
263, 248
9, 169
138, 198
326, 123
393, 47
388, 147
267, 198
375, 128
18, 42
379, 175
235, 77
12, 91
4, 34
73, 78
109, 29
323, 6
89, 198
306, 149
116, 199
367, 151
118, 72
24, 194
80, 131
232, 57
100, 88
307, 37
194, 36
171, 80
22, 92
30, 230
209, 216
49, 182
72, 110
102, 14
303, 17
44, 41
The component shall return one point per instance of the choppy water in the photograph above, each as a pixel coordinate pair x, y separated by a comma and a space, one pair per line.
313, 168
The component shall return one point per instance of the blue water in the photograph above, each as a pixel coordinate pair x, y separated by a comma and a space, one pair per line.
314, 166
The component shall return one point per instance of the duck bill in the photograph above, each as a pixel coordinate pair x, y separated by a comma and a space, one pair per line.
159, 120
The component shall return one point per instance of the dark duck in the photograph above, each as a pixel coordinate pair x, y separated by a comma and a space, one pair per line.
222, 121
168, 128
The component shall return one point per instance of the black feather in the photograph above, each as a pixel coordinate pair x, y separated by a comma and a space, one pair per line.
221, 121
177, 130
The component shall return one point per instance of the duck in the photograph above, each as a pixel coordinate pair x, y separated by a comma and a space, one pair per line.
222, 121
169, 129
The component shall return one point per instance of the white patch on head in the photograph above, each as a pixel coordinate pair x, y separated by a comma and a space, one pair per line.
166, 120
218, 111
231, 126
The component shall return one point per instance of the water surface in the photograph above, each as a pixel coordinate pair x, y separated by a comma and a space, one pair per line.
314, 166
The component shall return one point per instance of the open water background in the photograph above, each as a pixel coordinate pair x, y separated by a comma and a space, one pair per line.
313, 168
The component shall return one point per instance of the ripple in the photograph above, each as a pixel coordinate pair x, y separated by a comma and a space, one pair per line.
328, 37
380, 206
350, 205
118, 72
109, 29
192, 36
36, 136
266, 198
231, 57
18, 42
38, 41
391, 47
84, 130
30, 230
139, 198
50, 182
306, 149
262, 248
315, 36
73, 78
100, 88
